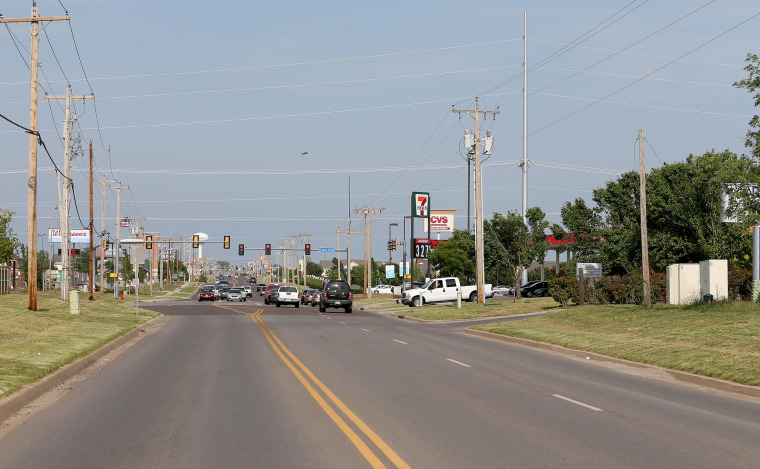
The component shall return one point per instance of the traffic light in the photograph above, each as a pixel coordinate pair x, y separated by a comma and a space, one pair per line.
226, 242
195, 241
268, 249
241, 249
307, 249
149, 242
105, 244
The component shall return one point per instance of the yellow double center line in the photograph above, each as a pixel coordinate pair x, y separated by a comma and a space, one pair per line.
299, 370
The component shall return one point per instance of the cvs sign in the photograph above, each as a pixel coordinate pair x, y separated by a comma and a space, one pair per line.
441, 220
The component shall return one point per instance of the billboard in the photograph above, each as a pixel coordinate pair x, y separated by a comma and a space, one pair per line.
440, 221
77, 236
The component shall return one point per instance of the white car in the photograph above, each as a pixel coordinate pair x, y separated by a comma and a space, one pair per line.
248, 291
383, 289
236, 294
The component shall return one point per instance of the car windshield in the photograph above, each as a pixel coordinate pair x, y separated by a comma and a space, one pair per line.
234, 290
426, 284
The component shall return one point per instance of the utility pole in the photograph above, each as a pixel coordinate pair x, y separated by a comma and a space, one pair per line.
305, 238
348, 260
368, 211
103, 234
644, 231
479, 255
66, 202
34, 21
118, 233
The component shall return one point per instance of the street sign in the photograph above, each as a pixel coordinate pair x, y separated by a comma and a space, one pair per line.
390, 271
113, 275
326, 249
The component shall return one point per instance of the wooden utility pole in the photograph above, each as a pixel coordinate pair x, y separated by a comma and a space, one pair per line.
32, 172
66, 203
368, 211
479, 254
348, 251
644, 235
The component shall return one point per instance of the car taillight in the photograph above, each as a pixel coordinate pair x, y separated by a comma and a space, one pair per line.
350, 294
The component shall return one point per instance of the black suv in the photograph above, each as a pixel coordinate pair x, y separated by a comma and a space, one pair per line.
336, 294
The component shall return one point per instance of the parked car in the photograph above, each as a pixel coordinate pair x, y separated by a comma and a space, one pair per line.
315, 297
504, 289
235, 294
271, 293
529, 289
287, 296
383, 289
206, 293
337, 294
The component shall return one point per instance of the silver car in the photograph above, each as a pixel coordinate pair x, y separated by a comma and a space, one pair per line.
236, 294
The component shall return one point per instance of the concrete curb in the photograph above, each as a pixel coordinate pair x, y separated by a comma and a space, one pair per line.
683, 376
26, 395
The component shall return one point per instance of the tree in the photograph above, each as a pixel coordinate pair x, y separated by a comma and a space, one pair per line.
43, 264
584, 224
752, 85
684, 205
8, 241
518, 243
312, 268
455, 257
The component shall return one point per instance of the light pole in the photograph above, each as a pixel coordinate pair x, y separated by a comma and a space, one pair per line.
390, 251
403, 263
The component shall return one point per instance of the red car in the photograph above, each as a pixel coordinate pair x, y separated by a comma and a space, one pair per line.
206, 294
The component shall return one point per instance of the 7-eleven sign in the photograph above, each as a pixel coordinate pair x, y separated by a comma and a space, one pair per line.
421, 204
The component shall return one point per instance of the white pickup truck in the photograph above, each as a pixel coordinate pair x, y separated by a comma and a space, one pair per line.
287, 296
443, 289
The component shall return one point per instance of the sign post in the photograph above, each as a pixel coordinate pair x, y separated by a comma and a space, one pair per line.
420, 209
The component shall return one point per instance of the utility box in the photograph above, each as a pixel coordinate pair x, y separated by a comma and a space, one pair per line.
74, 302
683, 283
713, 275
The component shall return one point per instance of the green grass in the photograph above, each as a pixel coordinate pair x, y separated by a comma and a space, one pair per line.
36, 343
721, 340
449, 311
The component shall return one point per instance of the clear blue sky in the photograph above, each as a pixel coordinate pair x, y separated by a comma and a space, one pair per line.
208, 107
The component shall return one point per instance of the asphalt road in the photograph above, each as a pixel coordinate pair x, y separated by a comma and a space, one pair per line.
246, 385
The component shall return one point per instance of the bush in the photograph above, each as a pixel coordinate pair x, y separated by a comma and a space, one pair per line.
563, 288
203, 279
612, 289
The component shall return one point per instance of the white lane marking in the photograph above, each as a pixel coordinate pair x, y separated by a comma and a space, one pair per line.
400, 341
342, 322
458, 363
578, 403
366, 330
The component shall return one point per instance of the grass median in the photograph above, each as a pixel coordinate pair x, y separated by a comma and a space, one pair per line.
721, 340
35, 343
449, 311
